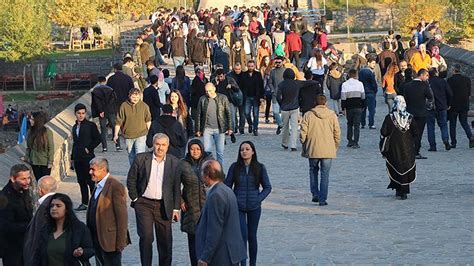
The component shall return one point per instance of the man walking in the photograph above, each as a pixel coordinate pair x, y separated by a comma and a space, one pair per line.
218, 236
252, 88
320, 136
353, 99
276, 76
151, 97
134, 118
237, 75
367, 77
214, 119
121, 83
227, 86
154, 188
107, 216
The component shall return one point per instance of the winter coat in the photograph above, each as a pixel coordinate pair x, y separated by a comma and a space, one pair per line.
334, 84
441, 92
288, 91
168, 125
418, 62
103, 100
293, 42
224, 117
40, 157
199, 52
367, 77
184, 88
461, 88
197, 90
237, 56
89, 138
320, 133
221, 56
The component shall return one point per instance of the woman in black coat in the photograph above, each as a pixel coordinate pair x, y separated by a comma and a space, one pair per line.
197, 90
64, 240
194, 193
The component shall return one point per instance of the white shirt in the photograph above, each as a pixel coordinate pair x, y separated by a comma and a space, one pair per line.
313, 66
352, 85
154, 188
99, 186
41, 200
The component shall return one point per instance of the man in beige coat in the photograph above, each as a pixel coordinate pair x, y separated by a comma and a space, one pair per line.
320, 136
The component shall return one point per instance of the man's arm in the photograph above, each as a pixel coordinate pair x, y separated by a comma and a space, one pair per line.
119, 203
216, 207
132, 179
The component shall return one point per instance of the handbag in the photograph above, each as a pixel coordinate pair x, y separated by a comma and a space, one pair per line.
384, 144
237, 97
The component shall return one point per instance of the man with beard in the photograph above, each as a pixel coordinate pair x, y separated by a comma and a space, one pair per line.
237, 74
252, 85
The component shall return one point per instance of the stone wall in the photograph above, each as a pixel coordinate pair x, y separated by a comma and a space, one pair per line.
129, 31
369, 18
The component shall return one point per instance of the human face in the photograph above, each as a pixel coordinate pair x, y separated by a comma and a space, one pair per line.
32, 120
174, 98
57, 209
21, 182
403, 66
97, 173
221, 77
246, 152
278, 63
237, 69
81, 115
372, 64
134, 98
195, 151
210, 91
160, 147
250, 67
267, 60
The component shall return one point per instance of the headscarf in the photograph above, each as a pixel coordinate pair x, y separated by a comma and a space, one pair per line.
400, 116
435, 52
161, 79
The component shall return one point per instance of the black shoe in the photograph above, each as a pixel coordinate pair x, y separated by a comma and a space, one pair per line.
315, 199
242, 132
82, 207
284, 147
255, 132
403, 197
432, 149
471, 144
278, 130
362, 127
104, 149
250, 129
355, 146
323, 203
418, 156
371, 127
267, 121
293, 149
232, 138
350, 144
118, 148
446, 145
453, 146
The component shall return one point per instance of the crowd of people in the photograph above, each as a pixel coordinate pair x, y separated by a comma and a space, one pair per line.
171, 125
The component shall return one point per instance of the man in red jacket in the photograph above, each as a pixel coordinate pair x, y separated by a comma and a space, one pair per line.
294, 45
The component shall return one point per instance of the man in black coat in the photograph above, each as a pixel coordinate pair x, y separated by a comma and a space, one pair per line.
121, 83
237, 75
154, 188
226, 85
416, 93
104, 106
308, 92
152, 98
16, 211
86, 138
252, 89
461, 88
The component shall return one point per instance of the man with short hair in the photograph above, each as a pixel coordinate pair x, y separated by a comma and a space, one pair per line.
253, 91
178, 51
227, 86
276, 76
154, 188
237, 75
401, 77
16, 211
214, 119
151, 97
320, 136
352, 102
218, 237
107, 216
134, 118
121, 83
410, 51
367, 77
151, 69
309, 90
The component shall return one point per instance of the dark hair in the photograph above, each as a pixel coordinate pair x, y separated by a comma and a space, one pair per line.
390, 32
79, 106
38, 136
17, 168
433, 72
457, 67
180, 77
321, 99
255, 167
220, 71
153, 79
352, 73
166, 73
70, 216
398, 36
308, 74
422, 72
370, 60
101, 79
127, 60
118, 66
149, 63
412, 43
386, 45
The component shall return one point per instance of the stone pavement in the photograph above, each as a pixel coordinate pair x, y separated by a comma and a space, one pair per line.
363, 223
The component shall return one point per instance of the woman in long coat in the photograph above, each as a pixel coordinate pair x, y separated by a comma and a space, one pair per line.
398, 149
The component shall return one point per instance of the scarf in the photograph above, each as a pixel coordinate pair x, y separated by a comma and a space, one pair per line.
400, 116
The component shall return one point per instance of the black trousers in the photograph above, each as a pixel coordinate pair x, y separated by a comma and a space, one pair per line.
12, 259
192, 249
40, 170
110, 118
149, 214
242, 118
268, 104
84, 179
103, 258
296, 56
417, 132
353, 124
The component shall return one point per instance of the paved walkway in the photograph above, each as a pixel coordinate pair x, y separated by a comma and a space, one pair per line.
363, 223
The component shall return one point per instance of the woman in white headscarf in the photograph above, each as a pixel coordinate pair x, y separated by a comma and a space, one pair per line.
398, 149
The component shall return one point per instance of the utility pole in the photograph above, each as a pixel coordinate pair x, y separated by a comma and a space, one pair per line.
347, 19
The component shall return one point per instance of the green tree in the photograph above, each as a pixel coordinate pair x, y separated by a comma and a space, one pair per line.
24, 31
466, 21
72, 14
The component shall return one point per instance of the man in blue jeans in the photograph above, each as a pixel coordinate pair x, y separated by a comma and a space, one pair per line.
320, 136
252, 88
214, 120
367, 77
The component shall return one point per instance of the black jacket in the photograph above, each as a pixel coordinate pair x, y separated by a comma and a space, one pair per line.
308, 92
416, 93
103, 100
16, 211
288, 91
401, 78
222, 87
252, 86
152, 98
461, 88
77, 236
441, 92
89, 137
168, 125
224, 117
121, 83
197, 90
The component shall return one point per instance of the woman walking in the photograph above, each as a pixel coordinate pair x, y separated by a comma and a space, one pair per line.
251, 185
388, 85
39, 146
194, 192
64, 240
182, 83
317, 64
180, 111
397, 148
334, 82
265, 68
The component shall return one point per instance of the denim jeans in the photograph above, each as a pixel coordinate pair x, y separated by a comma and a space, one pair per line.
389, 97
442, 118
178, 61
336, 105
248, 226
371, 104
110, 118
252, 104
212, 137
276, 111
453, 117
158, 58
233, 113
319, 190
135, 146
290, 119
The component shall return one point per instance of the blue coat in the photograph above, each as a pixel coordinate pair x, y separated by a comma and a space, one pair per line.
367, 77
249, 196
218, 237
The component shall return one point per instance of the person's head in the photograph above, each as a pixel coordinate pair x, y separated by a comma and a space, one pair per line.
238, 44
60, 209
150, 64
210, 90
321, 99
264, 44
127, 61
167, 109
289, 74
134, 95
102, 80
308, 75
422, 48
386, 45
398, 37
423, 74
98, 168
118, 67
38, 119
457, 68
176, 98
403, 65
47, 184
220, 75
237, 68
161, 143
20, 176
80, 111
247, 152
352, 74
392, 69
250, 66
166, 73
154, 80
139, 40
278, 61
412, 43
226, 28
433, 72
371, 63
195, 149
399, 104
390, 33
180, 73
211, 172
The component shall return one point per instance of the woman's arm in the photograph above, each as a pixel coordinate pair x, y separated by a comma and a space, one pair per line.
229, 180
265, 182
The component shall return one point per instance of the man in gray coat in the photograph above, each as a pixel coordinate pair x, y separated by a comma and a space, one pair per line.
218, 237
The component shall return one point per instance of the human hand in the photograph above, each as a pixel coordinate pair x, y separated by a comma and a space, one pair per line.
102, 114
202, 263
229, 132
78, 252
115, 139
175, 215
183, 207
198, 133
87, 150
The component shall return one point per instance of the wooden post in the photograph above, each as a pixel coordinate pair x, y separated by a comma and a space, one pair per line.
24, 77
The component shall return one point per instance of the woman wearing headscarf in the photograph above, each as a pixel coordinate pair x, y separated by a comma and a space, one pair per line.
397, 148
438, 62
